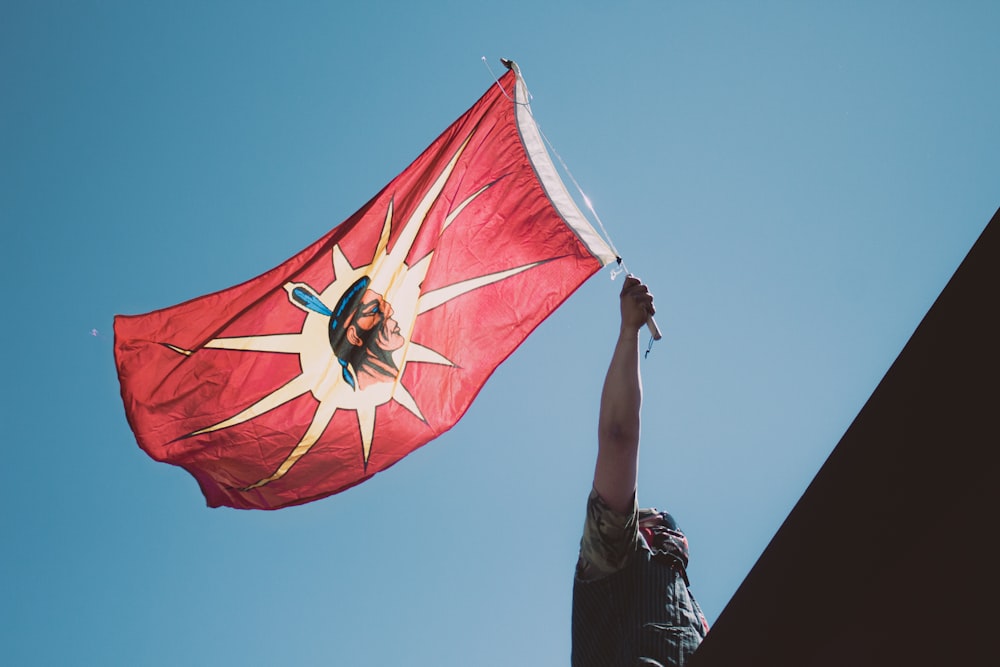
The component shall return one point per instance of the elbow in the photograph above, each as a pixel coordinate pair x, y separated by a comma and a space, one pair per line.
619, 435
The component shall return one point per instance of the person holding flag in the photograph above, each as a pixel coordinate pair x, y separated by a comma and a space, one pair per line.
631, 598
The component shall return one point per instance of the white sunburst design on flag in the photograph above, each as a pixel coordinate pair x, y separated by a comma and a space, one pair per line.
396, 287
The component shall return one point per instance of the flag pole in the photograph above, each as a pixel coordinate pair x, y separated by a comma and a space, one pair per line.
654, 329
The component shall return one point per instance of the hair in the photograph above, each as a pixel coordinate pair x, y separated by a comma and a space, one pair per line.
668, 520
339, 318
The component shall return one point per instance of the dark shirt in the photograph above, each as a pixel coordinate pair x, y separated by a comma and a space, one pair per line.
631, 603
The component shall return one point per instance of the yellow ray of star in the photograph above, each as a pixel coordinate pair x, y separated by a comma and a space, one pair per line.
419, 271
418, 352
454, 214
341, 267
324, 413
382, 284
406, 399
435, 298
366, 421
293, 389
290, 343
383, 239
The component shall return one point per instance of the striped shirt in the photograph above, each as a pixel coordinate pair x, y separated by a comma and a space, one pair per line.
631, 603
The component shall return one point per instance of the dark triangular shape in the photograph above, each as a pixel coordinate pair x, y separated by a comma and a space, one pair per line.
887, 559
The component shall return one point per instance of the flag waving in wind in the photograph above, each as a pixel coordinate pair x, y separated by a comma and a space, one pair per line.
375, 339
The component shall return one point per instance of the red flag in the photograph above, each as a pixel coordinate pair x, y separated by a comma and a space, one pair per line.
375, 339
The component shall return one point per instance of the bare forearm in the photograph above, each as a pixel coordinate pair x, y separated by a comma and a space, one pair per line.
621, 396
618, 425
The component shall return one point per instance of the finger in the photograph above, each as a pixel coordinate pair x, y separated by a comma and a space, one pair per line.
640, 293
643, 298
630, 282
635, 288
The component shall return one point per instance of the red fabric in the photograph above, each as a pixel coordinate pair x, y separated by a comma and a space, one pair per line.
183, 383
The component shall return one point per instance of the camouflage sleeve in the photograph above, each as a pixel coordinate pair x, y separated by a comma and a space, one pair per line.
609, 539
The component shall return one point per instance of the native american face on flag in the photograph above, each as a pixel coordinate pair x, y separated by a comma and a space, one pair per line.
362, 333
373, 336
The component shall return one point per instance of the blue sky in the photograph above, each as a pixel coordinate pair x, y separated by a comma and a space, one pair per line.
795, 180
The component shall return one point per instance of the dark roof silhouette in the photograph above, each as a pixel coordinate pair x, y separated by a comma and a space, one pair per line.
889, 558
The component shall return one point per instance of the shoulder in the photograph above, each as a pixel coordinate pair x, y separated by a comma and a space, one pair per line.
610, 539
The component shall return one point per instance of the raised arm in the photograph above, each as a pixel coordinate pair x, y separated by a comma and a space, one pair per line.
621, 397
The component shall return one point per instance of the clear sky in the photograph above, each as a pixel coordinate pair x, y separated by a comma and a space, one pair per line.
795, 180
